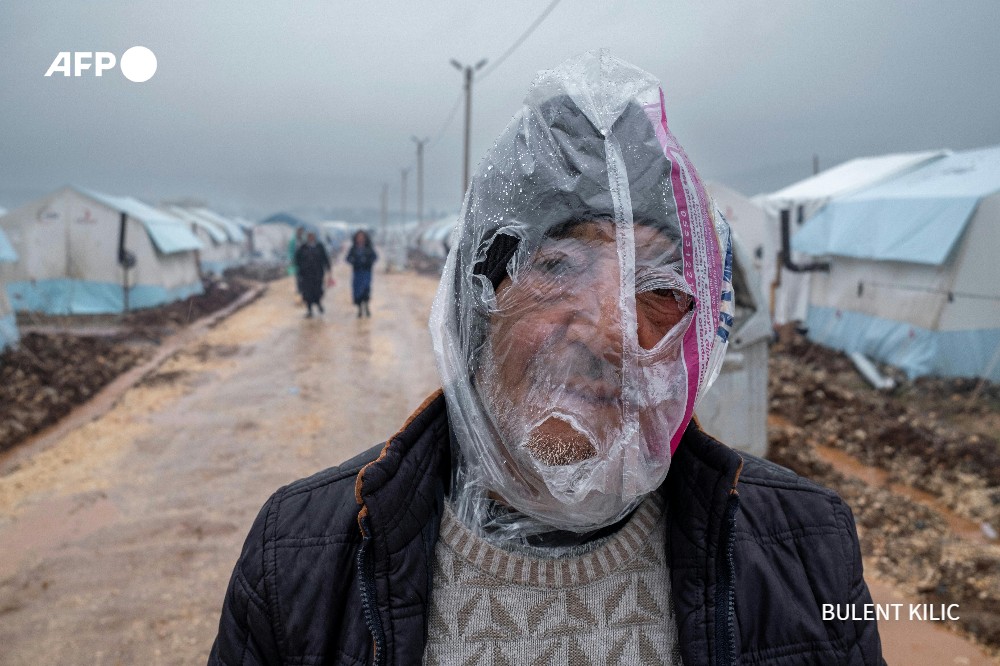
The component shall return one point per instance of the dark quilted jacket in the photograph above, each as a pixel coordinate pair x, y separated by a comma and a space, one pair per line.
337, 567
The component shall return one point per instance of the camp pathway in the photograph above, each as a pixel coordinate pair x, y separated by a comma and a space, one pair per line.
119, 539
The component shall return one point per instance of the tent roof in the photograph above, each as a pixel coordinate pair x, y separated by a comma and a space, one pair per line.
169, 234
915, 217
233, 230
283, 218
7, 252
217, 234
245, 224
853, 175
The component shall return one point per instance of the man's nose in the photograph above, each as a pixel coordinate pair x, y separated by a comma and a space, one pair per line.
598, 319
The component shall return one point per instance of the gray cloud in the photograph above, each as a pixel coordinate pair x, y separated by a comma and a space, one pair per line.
288, 105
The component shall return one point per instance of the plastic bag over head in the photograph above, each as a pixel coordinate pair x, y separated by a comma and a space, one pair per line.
584, 307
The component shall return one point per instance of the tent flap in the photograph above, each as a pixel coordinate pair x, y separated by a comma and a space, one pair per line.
918, 230
168, 233
7, 251
170, 237
918, 351
917, 216
70, 297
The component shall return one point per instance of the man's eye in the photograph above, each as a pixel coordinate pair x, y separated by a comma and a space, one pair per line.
558, 264
669, 298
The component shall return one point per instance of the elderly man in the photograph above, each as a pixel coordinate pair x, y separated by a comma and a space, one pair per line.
557, 503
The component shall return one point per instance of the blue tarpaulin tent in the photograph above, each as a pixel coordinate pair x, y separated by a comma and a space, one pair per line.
8, 323
912, 280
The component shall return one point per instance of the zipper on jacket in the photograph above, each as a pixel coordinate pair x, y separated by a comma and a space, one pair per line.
725, 594
367, 580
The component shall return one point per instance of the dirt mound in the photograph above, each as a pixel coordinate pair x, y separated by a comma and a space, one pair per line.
47, 375
258, 271
927, 434
167, 318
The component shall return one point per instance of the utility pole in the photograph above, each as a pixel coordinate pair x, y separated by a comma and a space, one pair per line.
469, 71
402, 196
420, 177
385, 227
385, 210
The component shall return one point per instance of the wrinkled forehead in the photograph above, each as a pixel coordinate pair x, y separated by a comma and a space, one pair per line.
650, 244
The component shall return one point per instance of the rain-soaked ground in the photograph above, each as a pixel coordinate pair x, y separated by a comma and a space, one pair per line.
119, 535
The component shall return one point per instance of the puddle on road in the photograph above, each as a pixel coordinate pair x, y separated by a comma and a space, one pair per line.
874, 476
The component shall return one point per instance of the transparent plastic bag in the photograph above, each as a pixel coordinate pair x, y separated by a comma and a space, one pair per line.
584, 307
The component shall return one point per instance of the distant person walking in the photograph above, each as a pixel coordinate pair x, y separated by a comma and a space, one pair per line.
362, 256
294, 243
311, 264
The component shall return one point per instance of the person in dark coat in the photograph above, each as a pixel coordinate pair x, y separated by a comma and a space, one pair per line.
556, 502
362, 257
311, 264
294, 243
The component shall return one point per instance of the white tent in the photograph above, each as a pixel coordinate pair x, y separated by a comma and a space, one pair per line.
912, 279
749, 223
8, 321
218, 252
75, 248
394, 242
270, 240
802, 200
238, 250
434, 237
336, 235
233, 230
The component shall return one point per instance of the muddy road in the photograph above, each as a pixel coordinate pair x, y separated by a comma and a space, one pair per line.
119, 539
119, 536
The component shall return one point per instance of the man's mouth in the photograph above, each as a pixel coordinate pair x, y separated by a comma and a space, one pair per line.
556, 442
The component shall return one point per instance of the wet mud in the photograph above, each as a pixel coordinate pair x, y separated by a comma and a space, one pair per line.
62, 362
128, 527
919, 467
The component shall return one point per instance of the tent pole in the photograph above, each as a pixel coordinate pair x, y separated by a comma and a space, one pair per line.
125, 259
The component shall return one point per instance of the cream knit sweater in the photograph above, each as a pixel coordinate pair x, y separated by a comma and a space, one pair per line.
611, 605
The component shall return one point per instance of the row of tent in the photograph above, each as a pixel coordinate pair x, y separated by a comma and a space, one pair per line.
77, 251
902, 245
898, 253
888, 256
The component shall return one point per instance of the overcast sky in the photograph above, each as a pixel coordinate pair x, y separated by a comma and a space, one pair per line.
262, 106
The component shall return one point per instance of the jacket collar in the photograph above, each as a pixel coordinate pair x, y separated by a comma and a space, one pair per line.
401, 489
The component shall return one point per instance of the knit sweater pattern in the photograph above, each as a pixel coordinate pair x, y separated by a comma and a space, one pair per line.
611, 605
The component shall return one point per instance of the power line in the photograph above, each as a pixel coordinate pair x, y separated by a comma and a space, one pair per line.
447, 121
458, 100
520, 40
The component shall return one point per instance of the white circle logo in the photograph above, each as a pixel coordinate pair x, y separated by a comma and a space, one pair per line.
138, 64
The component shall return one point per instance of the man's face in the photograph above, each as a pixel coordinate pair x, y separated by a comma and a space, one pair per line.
567, 340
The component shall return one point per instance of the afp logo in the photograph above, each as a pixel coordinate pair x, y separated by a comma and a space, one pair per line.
138, 64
